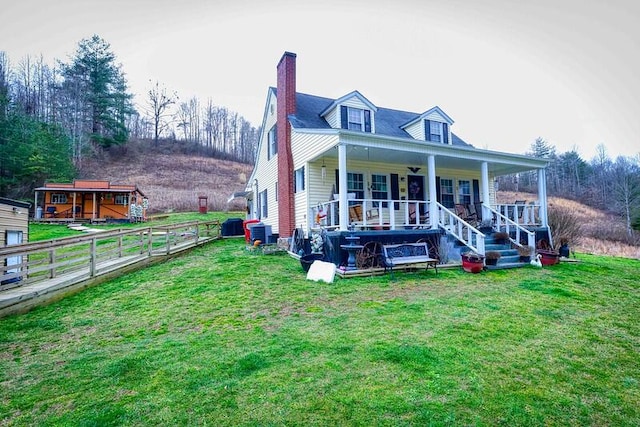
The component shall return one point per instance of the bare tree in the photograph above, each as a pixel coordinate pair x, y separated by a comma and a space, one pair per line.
159, 102
626, 188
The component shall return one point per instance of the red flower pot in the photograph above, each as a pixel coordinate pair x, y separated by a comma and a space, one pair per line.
549, 257
472, 263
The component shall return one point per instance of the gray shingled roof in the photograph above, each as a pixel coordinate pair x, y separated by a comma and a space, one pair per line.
388, 121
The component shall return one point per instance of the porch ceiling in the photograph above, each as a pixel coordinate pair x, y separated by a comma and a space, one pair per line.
499, 163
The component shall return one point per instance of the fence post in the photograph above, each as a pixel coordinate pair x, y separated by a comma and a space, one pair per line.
150, 240
52, 262
120, 245
92, 258
168, 241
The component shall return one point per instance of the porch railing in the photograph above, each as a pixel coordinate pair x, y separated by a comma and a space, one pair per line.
504, 223
521, 213
368, 213
461, 230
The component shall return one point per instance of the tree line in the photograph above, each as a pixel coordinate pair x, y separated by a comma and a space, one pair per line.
605, 183
53, 116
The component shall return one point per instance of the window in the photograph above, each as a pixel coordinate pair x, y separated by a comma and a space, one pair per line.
379, 188
464, 192
446, 193
58, 198
435, 132
355, 184
263, 204
298, 179
272, 138
122, 199
355, 119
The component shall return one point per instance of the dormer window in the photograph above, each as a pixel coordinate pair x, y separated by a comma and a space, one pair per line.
435, 134
356, 119
436, 131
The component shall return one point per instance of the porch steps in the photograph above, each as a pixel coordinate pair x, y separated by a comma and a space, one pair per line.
509, 258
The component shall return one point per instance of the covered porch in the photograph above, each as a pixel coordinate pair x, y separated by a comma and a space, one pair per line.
383, 186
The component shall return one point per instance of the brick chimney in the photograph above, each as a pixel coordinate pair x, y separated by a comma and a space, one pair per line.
286, 97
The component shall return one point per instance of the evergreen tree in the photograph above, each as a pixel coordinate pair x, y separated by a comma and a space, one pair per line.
98, 89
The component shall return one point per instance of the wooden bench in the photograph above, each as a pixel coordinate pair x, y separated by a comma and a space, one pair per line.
408, 254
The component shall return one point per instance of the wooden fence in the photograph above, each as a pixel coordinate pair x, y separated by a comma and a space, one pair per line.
34, 268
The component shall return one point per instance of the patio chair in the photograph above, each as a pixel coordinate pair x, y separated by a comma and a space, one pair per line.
51, 211
424, 216
463, 212
355, 213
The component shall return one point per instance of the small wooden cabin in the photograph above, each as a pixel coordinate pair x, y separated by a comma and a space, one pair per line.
93, 200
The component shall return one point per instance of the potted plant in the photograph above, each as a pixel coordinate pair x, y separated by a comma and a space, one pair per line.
501, 237
549, 256
525, 253
472, 262
492, 257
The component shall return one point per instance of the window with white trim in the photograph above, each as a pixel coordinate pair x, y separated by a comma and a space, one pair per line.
272, 138
121, 199
435, 131
355, 118
263, 204
379, 188
58, 198
298, 179
355, 184
464, 191
447, 197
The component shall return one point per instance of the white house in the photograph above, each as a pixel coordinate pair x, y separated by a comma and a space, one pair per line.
346, 162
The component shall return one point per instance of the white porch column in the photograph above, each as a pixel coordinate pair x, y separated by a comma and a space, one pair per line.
542, 196
433, 207
484, 182
93, 213
342, 187
74, 206
255, 200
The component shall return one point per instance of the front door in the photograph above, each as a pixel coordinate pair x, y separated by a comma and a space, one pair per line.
416, 190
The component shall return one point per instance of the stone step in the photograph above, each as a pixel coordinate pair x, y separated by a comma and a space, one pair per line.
503, 266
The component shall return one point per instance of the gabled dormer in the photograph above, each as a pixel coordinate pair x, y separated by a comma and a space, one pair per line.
353, 112
433, 125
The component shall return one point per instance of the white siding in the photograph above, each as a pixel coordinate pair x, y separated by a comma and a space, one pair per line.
14, 222
304, 148
416, 130
266, 171
333, 118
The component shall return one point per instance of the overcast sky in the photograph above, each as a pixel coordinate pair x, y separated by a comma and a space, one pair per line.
505, 71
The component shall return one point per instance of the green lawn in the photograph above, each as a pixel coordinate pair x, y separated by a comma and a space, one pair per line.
224, 337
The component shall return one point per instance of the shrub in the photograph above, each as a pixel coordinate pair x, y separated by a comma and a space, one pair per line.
492, 255
565, 226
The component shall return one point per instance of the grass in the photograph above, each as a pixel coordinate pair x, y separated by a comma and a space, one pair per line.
225, 337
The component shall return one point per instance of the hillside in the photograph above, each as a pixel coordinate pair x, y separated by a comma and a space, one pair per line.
603, 233
173, 182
